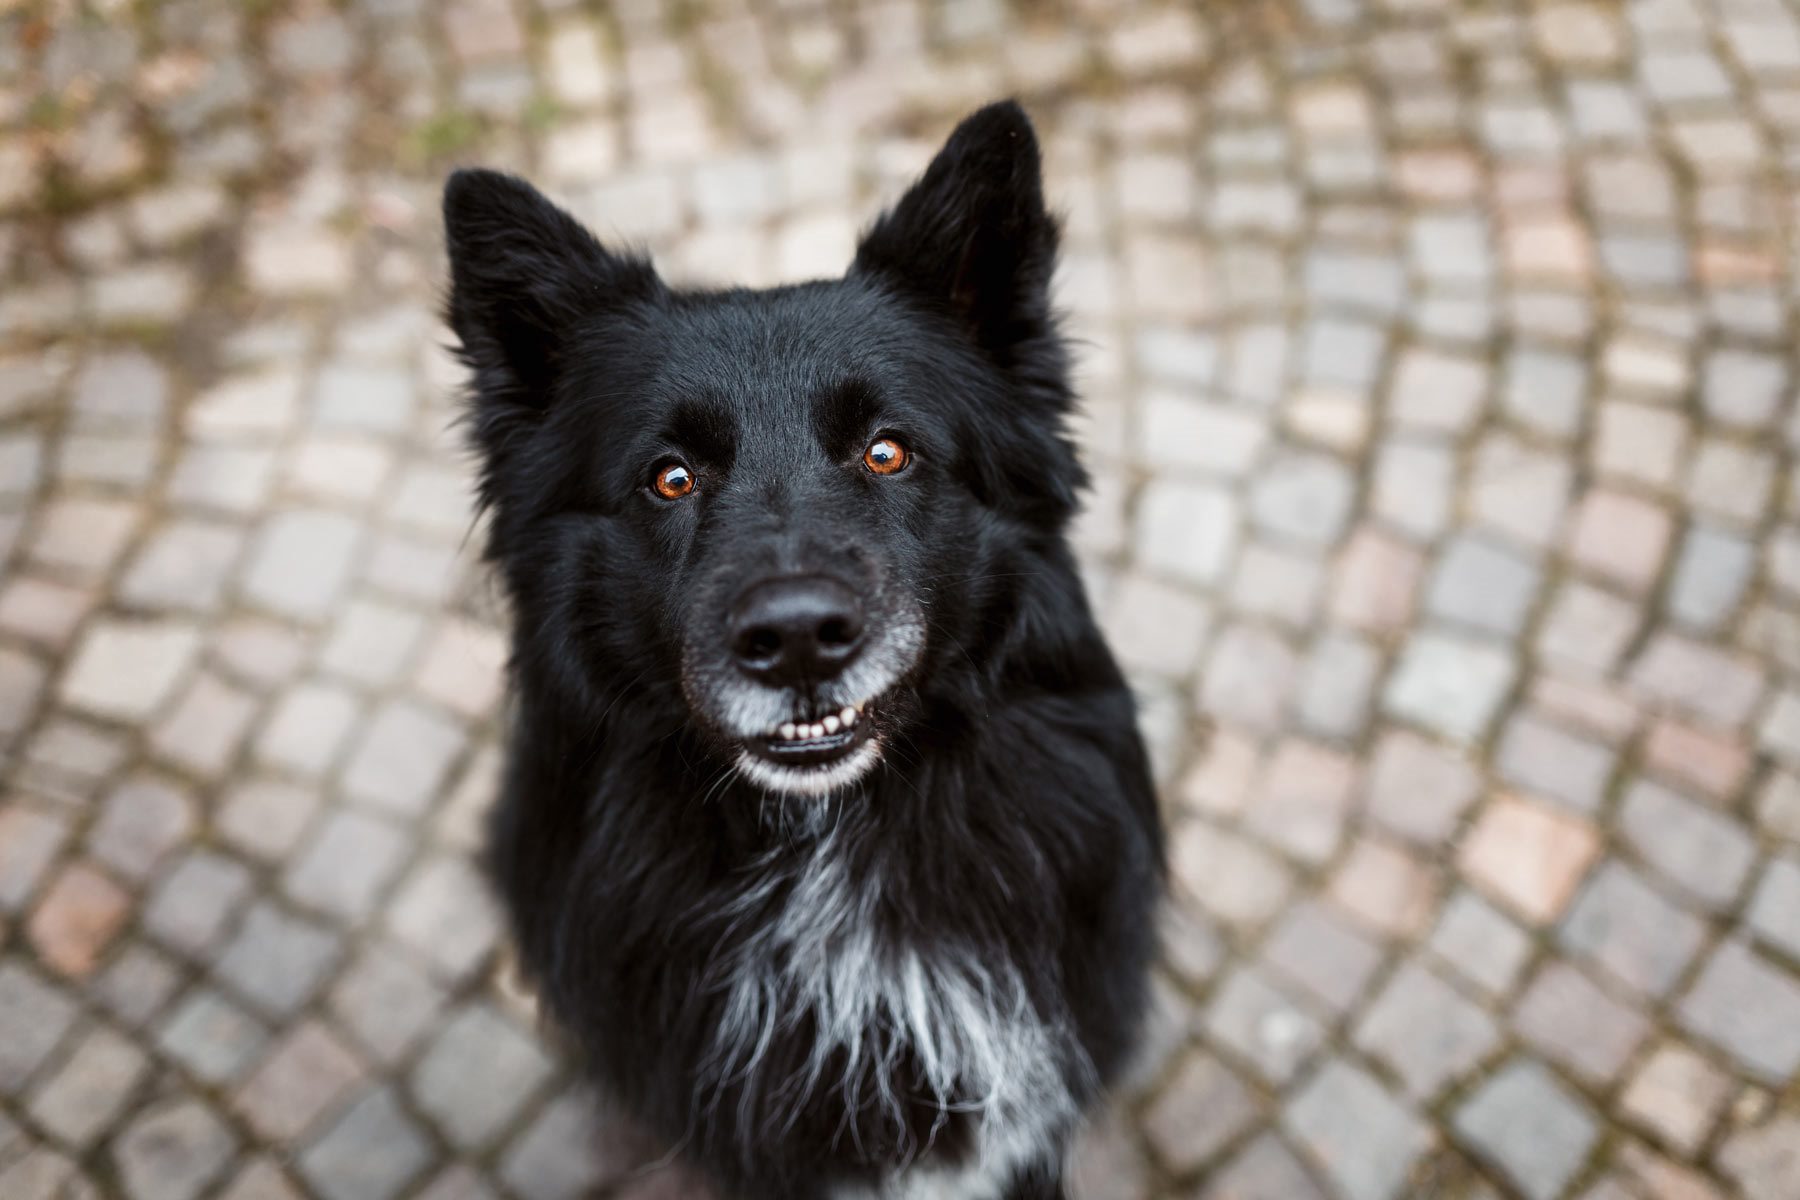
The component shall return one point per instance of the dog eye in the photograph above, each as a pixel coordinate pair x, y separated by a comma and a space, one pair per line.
673, 481
885, 456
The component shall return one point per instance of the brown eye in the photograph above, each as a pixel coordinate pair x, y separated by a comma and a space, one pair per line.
885, 456
673, 481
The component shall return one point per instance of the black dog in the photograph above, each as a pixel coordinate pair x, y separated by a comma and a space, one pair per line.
826, 830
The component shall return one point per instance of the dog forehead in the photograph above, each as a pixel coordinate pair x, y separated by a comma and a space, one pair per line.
806, 331
751, 359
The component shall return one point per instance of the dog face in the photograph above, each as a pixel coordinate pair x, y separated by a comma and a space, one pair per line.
783, 518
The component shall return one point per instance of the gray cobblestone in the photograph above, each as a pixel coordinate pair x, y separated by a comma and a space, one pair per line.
346, 864
1418, 789
1304, 497
136, 984
192, 905
1449, 684
1255, 1019
477, 1043
1700, 851
301, 562
1577, 1025
1629, 928
1530, 1125
173, 1152
386, 1001
1201, 1110
1362, 1139
1750, 1009
1324, 954
211, 1037
555, 1159
126, 670
1480, 585
307, 726
276, 960
1541, 757
183, 566
401, 758
37, 1016
92, 1086
1426, 1031
140, 823
370, 1153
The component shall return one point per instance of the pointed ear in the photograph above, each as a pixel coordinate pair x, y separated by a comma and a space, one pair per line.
972, 235
523, 274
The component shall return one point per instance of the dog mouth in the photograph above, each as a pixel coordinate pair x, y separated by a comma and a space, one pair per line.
816, 757
819, 742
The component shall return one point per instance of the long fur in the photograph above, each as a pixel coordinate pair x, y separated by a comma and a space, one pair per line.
906, 973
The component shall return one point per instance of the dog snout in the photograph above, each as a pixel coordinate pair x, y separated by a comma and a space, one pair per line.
796, 631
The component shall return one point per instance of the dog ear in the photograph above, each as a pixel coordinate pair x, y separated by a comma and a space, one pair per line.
972, 235
523, 275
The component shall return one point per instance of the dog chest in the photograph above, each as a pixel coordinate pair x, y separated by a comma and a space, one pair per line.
824, 1013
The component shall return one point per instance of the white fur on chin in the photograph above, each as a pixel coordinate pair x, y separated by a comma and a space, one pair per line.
810, 781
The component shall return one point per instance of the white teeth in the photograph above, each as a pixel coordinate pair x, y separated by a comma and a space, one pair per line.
799, 731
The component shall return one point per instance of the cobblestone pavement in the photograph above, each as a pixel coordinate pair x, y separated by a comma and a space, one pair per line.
1441, 402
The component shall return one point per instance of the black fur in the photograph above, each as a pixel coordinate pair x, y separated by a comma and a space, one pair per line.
1011, 816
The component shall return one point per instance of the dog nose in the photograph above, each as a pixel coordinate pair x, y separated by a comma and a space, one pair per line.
796, 631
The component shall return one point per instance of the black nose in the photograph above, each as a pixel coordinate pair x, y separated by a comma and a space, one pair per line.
797, 630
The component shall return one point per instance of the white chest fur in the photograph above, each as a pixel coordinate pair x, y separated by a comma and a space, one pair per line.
969, 1026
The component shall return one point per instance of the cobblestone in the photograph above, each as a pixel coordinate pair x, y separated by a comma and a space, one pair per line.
91, 1087
173, 1152
1440, 404
80, 911
386, 1001
211, 1037
194, 903
140, 823
298, 1081
1575, 1024
1485, 947
1449, 684
347, 864
276, 960
1361, 1138
1677, 1095
1632, 930
1203, 1109
1700, 851
1528, 855
370, 1153
1252, 1017
477, 1043
127, 670
1426, 1031
136, 985
301, 563
1763, 1160
1531, 1126
1744, 1005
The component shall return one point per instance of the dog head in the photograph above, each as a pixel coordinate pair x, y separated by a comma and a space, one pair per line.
792, 519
